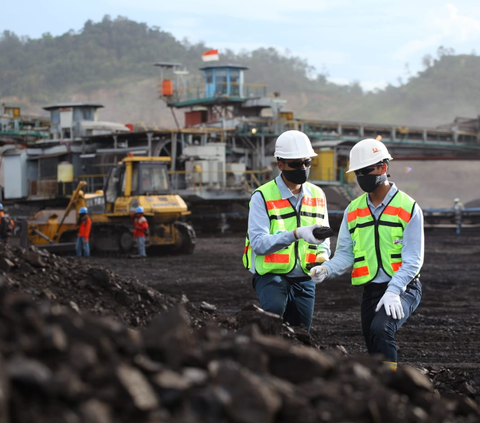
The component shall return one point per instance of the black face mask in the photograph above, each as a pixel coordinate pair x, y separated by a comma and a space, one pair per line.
297, 176
370, 183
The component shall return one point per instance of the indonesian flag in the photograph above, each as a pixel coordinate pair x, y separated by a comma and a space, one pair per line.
210, 56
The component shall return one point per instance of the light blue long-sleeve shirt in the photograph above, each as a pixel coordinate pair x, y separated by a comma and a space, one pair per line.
262, 242
412, 250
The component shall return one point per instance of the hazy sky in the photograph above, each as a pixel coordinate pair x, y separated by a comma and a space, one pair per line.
375, 42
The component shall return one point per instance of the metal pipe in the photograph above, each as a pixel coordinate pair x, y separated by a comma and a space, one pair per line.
149, 137
41, 234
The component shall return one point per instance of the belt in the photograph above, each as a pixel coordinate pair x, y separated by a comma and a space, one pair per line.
375, 286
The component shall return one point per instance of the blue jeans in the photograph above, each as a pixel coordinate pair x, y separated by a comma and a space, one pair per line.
291, 298
82, 246
379, 329
141, 246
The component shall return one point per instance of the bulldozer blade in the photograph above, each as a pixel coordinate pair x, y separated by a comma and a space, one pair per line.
61, 247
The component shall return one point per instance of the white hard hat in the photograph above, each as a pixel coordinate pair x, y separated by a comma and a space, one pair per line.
456, 200
293, 145
367, 153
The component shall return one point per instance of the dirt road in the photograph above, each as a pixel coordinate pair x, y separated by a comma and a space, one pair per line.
443, 332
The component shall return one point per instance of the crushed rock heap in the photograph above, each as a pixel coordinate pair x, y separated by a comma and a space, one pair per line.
80, 344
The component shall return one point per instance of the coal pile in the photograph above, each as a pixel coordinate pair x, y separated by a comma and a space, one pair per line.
80, 344
74, 283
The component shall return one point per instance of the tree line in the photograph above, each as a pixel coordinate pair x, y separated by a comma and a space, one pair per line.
106, 53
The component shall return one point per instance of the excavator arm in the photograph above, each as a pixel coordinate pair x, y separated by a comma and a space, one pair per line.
73, 200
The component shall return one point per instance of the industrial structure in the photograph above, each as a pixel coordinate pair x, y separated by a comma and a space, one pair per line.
222, 153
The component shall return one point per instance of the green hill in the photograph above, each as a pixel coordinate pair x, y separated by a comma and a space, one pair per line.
111, 62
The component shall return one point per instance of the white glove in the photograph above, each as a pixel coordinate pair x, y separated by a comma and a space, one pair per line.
318, 274
306, 233
392, 304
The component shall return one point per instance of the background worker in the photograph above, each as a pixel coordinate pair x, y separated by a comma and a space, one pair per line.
382, 237
6, 225
84, 224
280, 242
457, 212
140, 224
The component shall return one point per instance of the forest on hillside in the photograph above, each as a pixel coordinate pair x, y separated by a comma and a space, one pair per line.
112, 62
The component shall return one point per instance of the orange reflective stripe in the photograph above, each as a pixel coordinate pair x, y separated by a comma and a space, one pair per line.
278, 204
313, 202
396, 266
246, 249
358, 213
360, 271
310, 258
277, 258
398, 211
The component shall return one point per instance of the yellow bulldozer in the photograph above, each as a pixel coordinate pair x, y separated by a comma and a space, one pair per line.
135, 181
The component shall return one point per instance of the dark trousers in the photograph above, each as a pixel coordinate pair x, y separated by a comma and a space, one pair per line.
379, 329
291, 298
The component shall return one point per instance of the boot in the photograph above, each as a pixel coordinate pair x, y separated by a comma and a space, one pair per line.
391, 364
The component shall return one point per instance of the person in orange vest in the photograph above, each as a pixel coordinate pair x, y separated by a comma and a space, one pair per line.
6, 225
84, 226
141, 229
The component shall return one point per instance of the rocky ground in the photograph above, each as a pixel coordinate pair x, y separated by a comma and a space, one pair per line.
180, 339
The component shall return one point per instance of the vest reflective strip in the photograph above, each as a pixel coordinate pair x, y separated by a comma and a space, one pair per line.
311, 258
278, 204
396, 266
358, 213
360, 271
398, 211
277, 258
313, 202
311, 214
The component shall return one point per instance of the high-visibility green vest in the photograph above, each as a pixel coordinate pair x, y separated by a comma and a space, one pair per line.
378, 243
284, 218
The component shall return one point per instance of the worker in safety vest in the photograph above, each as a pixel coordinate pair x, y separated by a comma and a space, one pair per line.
381, 236
84, 225
280, 241
140, 224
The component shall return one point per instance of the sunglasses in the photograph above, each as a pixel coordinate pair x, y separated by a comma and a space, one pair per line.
297, 164
367, 170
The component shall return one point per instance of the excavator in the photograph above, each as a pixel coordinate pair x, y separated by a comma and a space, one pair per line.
135, 181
